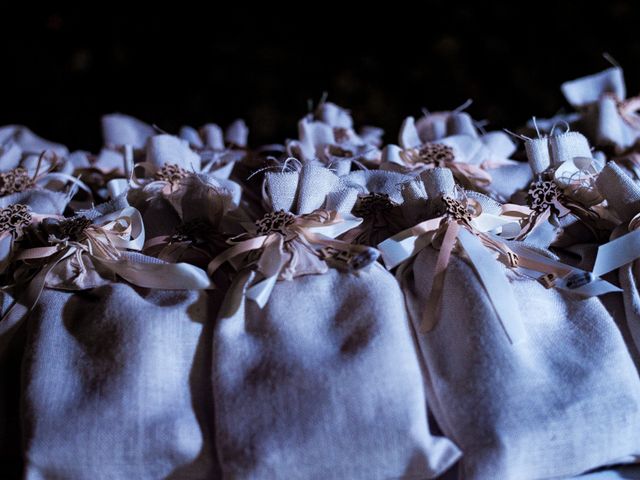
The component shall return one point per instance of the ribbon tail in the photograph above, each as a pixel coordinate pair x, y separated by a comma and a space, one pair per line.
167, 276
616, 253
261, 291
406, 244
25, 302
334, 230
234, 300
496, 285
271, 263
432, 308
237, 249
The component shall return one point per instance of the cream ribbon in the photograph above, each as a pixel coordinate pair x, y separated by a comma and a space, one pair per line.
478, 239
318, 228
620, 251
105, 241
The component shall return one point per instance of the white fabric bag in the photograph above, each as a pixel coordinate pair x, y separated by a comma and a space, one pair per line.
555, 396
320, 379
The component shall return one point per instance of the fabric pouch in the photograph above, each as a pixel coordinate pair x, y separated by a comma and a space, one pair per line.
319, 377
529, 381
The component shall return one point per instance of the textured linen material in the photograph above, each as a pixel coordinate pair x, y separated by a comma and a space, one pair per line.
461, 124
598, 97
11, 352
567, 146
623, 196
191, 135
308, 189
29, 142
505, 179
114, 385
538, 154
499, 143
333, 115
169, 150
118, 129
379, 181
38, 200
589, 89
508, 179
490, 151
323, 382
12, 341
213, 136
564, 402
620, 191
237, 133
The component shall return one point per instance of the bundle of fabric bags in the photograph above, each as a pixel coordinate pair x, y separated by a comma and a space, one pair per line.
459, 303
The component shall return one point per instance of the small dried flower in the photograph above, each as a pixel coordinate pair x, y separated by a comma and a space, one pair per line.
275, 222
14, 219
543, 194
372, 203
456, 210
73, 228
171, 173
436, 154
14, 181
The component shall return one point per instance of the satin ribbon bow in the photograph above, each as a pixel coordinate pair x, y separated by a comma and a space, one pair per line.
105, 241
464, 226
568, 190
287, 245
14, 220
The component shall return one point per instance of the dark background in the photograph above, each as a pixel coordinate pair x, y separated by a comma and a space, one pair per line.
61, 69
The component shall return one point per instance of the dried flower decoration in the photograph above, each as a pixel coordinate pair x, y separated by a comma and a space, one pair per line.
456, 210
350, 260
15, 181
74, 228
542, 195
373, 203
275, 222
436, 154
171, 173
14, 219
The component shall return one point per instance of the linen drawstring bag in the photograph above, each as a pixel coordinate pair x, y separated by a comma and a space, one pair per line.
328, 136
219, 152
169, 165
315, 373
17, 211
566, 205
479, 162
379, 197
112, 374
529, 381
606, 115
